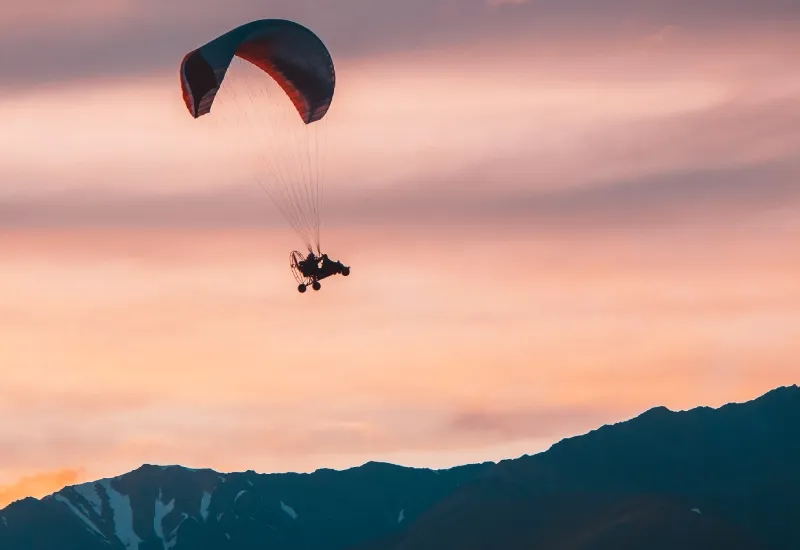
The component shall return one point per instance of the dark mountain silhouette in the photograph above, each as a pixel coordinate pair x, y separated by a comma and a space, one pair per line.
500, 515
170, 507
711, 479
723, 478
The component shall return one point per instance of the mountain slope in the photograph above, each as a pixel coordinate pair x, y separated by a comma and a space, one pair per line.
174, 508
725, 478
494, 513
696, 480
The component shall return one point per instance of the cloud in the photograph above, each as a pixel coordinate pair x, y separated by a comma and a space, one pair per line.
708, 166
498, 3
267, 433
39, 485
664, 34
525, 423
22, 18
85, 404
61, 426
713, 196
125, 38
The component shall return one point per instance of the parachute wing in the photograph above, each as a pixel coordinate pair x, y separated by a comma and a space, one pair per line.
287, 51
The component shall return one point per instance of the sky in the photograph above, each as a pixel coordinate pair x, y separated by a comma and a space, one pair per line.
558, 214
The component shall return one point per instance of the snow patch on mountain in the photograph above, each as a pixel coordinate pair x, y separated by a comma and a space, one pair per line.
88, 491
162, 510
65, 501
289, 510
123, 516
173, 533
205, 503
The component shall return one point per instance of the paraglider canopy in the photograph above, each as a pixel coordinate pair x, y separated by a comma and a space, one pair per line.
287, 51
269, 71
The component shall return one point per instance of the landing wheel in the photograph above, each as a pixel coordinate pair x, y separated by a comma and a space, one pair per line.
316, 285
345, 271
301, 288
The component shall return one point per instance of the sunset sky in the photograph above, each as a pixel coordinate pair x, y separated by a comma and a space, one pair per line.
558, 213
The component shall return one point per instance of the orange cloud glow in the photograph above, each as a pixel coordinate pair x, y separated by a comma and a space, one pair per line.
37, 485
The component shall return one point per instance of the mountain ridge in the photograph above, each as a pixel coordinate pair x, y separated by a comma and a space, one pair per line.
695, 472
736, 463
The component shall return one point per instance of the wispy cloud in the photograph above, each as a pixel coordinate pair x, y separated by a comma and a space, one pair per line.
726, 162
527, 423
124, 38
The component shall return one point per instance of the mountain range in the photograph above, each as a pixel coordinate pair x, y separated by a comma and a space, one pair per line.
726, 478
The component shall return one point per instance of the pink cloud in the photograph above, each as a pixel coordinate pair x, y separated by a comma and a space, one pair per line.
22, 18
143, 37
622, 147
496, 3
